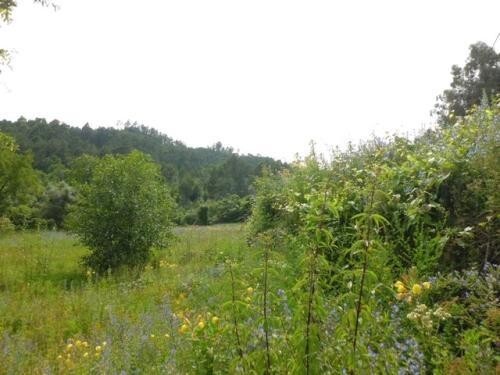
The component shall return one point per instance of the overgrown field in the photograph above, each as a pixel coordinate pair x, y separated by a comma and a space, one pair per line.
198, 308
56, 316
383, 260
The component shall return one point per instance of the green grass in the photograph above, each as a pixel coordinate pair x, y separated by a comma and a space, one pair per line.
48, 300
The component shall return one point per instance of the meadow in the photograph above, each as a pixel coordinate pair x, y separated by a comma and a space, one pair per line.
213, 302
56, 316
382, 260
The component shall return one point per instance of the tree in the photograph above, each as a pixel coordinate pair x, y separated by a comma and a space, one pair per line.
122, 212
18, 180
480, 74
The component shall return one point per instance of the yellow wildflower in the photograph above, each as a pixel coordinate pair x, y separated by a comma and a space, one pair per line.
69, 346
85, 355
201, 324
184, 328
98, 348
215, 319
401, 289
78, 343
426, 285
416, 289
249, 290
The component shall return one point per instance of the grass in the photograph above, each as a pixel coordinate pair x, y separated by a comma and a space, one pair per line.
212, 304
48, 302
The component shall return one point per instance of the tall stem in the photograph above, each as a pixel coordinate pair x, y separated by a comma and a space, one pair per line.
367, 244
312, 274
235, 321
266, 323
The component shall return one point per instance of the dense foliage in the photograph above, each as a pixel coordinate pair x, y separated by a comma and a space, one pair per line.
382, 259
401, 212
19, 182
124, 209
197, 176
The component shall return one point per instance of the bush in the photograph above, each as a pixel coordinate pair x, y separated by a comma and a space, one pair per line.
6, 225
122, 212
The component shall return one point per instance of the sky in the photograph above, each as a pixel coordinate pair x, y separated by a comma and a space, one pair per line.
263, 76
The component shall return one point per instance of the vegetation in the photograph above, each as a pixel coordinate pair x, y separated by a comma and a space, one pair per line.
123, 211
383, 259
479, 76
198, 177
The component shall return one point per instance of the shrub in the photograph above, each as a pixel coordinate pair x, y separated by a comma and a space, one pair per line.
122, 211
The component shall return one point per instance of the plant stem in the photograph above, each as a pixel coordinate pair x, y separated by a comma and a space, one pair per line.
235, 321
312, 290
367, 244
266, 323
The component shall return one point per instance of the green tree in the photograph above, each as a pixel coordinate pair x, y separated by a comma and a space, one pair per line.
19, 182
480, 75
122, 212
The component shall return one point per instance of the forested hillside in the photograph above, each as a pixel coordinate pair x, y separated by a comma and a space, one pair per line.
216, 177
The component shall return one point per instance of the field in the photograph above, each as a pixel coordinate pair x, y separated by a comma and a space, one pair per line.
211, 303
56, 316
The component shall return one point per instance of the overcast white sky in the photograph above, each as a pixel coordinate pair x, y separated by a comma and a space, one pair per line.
261, 76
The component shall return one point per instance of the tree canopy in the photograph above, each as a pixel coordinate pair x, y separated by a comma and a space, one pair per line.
123, 210
480, 75
18, 180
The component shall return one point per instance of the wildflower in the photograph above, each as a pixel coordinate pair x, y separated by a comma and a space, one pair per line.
201, 324
167, 335
441, 314
400, 287
249, 290
416, 289
152, 336
215, 320
426, 285
400, 296
85, 355
78, 343
85, 344
59, 357
104, 343
248, 300
69, 346
98, 348
184, 328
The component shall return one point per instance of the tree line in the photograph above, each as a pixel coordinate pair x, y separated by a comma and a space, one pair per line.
208, 184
